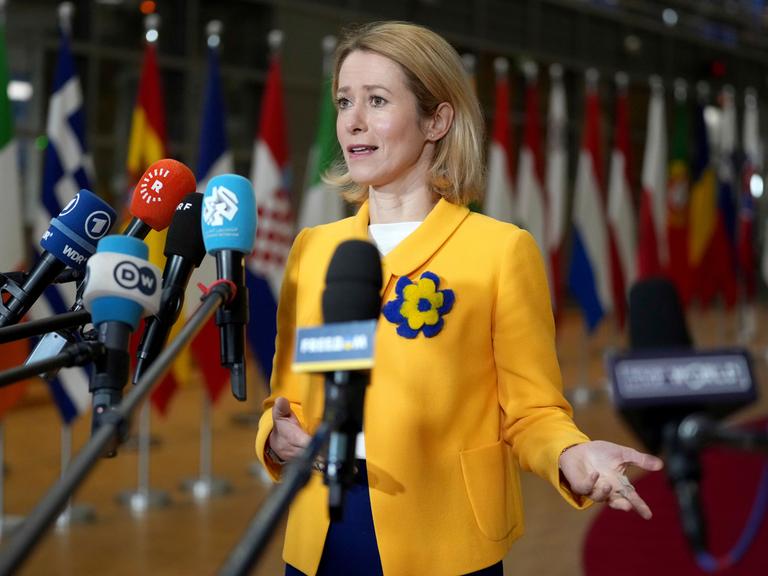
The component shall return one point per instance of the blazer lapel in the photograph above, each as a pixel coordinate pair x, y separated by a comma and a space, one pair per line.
419, 246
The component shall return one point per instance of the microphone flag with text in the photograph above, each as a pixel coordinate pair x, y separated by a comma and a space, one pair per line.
229, 231
69, 241
121, 286
184, 251
343, 348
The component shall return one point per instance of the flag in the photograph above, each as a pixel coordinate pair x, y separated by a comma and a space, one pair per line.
322, 203
653, 255
556, 183
11, 224
499, 199
621, 210
215, 158
589, 273
532, 205
274, 233
678, 185
66, 169
147, 144
708, 249
752, 167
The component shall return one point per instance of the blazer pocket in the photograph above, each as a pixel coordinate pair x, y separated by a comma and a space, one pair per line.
491, 491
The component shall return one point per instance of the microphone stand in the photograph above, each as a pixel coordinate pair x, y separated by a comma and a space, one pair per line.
113, 423
295, 476
77, 354
44, 325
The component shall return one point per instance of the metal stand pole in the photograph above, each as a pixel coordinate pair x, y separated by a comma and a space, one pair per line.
205, 485
581, 393
144, 497
7, 523
73, 513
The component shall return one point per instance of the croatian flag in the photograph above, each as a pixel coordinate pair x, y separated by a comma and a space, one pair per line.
67, 169
274, 233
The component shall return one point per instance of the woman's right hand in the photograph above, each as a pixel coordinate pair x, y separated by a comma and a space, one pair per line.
287, 438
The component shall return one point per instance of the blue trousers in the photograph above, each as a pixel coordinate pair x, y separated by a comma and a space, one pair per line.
350, 546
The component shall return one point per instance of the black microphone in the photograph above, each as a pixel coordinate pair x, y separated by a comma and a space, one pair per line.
184, 250
352, 293
229, 231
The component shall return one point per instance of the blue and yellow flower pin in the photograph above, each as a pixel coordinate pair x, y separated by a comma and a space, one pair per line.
419, 306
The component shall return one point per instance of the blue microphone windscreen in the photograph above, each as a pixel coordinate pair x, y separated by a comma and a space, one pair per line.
73, 234
229, 214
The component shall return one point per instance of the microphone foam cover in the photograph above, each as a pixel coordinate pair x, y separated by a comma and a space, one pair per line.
353, 283
185, 236
229, 214
656, 316
159, 191
73, 234
120, 284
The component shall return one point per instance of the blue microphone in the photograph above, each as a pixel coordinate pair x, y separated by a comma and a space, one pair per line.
121, 286
229, 232
69, 241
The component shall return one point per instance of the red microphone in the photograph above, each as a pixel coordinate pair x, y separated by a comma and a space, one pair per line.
156, 196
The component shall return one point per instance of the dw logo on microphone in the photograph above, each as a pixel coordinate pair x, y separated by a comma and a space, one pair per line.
221, 204
130, 276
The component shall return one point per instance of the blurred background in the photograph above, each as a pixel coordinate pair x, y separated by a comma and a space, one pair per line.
627, 131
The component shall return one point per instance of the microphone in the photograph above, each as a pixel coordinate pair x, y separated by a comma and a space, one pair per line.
156, 196
184, 250
69, 241
153, 203
120, 287
229, 231
352, 293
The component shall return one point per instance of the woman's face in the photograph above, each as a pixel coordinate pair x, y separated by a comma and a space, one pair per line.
378, 126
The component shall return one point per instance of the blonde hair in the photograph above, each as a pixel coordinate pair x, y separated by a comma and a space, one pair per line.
434, 73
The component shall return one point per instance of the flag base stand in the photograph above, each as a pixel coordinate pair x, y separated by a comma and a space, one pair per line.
76, 514
205, 486
144, 498
73, 513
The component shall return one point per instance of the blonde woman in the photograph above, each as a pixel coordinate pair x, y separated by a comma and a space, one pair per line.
466, 386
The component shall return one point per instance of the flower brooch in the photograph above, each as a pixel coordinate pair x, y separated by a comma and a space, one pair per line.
419, 306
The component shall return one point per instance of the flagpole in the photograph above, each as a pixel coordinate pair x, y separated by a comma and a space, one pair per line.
73, 513
144, 497
252, 417
205, 484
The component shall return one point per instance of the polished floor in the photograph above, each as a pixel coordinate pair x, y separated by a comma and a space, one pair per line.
194, 536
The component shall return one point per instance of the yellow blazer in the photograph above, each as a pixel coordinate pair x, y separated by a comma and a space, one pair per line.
447, 419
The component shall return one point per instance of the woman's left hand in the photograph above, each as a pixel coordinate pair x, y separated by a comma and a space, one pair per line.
597, 470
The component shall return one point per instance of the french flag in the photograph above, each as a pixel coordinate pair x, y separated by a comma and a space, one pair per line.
589, 274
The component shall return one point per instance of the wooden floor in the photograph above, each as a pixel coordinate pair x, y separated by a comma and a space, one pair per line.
194, 537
